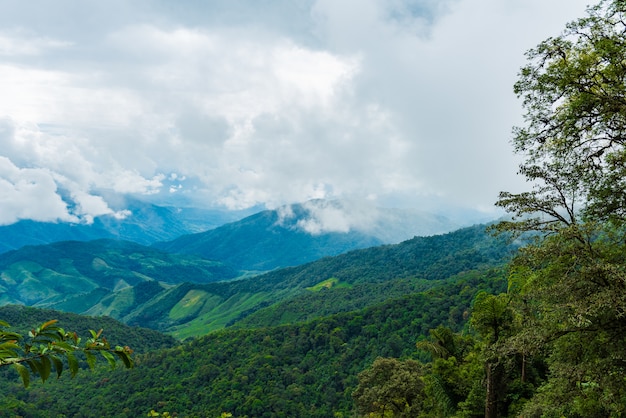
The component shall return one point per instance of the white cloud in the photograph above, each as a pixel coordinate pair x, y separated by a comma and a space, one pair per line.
404, 100
29, 194
19, 43
324, 217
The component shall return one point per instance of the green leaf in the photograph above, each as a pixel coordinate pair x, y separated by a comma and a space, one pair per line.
34, 365
58, 365
109, 357
46, 367
72, 362
91, 359
63, 346
24, 374
128, 362
8, 350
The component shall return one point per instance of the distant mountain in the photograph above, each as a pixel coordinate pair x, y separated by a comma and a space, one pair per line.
145, 224
300, 233
76, 275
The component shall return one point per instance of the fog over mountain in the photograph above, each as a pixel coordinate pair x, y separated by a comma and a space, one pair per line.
300, 233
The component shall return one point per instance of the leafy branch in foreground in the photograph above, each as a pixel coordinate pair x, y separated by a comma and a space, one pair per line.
50, 347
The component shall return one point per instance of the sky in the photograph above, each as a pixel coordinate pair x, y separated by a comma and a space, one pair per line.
243, 103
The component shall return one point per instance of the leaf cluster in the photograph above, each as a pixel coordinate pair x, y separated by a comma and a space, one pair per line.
49, 347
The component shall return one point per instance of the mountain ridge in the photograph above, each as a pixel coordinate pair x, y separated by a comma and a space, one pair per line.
145, 224
300, 233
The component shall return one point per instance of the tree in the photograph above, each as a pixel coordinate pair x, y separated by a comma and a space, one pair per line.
574, 140
569, 287
48, 345
571, 296
492, 317
390, 388
449, 377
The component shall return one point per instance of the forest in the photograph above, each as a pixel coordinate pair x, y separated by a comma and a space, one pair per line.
534, 327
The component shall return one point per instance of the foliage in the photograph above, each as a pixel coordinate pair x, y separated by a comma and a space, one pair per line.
567, 290
571, 294
143, 340
453, 373
390, 388
574, 143
47, 345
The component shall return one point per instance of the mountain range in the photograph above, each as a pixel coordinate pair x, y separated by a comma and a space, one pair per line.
145, 224
204, 281
282, 316
187, 295
290, 342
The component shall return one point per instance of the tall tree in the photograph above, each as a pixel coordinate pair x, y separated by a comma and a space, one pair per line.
492, 318
574, 139
569, 288
571, 296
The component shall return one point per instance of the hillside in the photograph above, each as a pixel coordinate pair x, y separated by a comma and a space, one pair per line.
186, 296
298, 336
298, 234
142, 340
53, 274
359, 275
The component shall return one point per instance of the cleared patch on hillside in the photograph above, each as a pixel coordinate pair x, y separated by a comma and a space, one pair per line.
329, 284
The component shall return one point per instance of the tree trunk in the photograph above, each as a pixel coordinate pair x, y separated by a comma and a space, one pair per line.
491, 398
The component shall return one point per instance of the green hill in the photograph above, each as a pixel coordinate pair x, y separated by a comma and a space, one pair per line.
180, 294
54, 274
363, 277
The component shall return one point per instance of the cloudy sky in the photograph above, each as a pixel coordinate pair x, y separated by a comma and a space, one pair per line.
236, 103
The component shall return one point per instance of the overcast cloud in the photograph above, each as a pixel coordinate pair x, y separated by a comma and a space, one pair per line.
238, 103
